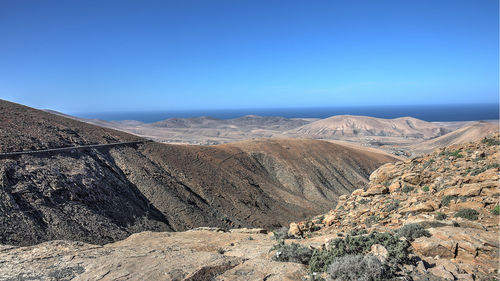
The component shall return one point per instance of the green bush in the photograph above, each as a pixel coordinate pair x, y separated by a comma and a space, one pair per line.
398, 250
320, 219
440, 216
445, 201
292, 253
412, 231
407, 189
371, 220
358, 268
393, 205
281, 233
425, 188
456, 153
469, 214
477, 171
490, 141
363, 201
355, 232
496, 210
426, 164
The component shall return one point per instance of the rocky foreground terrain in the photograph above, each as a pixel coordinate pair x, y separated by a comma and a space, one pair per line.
446, 202
433, 217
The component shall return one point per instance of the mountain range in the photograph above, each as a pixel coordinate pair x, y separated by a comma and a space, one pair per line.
100, 195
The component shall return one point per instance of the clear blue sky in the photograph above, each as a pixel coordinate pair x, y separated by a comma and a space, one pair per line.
81, 56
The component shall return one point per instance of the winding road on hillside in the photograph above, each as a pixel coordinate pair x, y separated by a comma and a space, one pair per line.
70, 148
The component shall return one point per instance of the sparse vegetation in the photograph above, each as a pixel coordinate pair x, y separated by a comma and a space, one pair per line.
407, 189
292, 253
355, 232
412, 231
425, 188
456, 153
490, 141
445, 201
221, 251
478, 171
440, 216
357, 267
250, 238
371, 220
392, 206
496, 211
398, 251
428, 163
364, 201
469, 214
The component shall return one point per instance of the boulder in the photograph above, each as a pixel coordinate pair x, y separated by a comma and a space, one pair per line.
472, 189
420, 208
441, 272
294, 230
467, 205
343, 197
412, 178
394, 186
357, 192
431, 247
329, 219
472, 245
380, 252
383, 173
375, 190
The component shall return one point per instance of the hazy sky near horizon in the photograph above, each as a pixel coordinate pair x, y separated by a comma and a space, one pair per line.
91, 56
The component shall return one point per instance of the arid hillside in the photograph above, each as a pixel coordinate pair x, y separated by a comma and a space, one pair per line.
472, 132
355, 126
25, 128
101, 195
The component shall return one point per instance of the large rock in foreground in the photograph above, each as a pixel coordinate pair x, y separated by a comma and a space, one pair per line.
205, 254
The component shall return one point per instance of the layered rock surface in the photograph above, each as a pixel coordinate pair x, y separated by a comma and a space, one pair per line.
453, 193
197, 255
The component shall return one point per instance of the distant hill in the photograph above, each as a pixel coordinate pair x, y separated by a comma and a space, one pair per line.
354, 126
248, 122
473, 132
103, 195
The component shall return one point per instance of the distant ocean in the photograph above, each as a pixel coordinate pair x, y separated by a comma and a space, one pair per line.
431, 113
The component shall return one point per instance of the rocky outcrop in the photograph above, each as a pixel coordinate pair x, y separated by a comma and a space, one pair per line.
193, 255
453, 193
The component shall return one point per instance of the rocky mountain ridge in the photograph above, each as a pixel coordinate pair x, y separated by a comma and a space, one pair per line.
101, 195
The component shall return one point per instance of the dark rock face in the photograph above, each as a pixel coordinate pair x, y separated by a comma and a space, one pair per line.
84, 198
